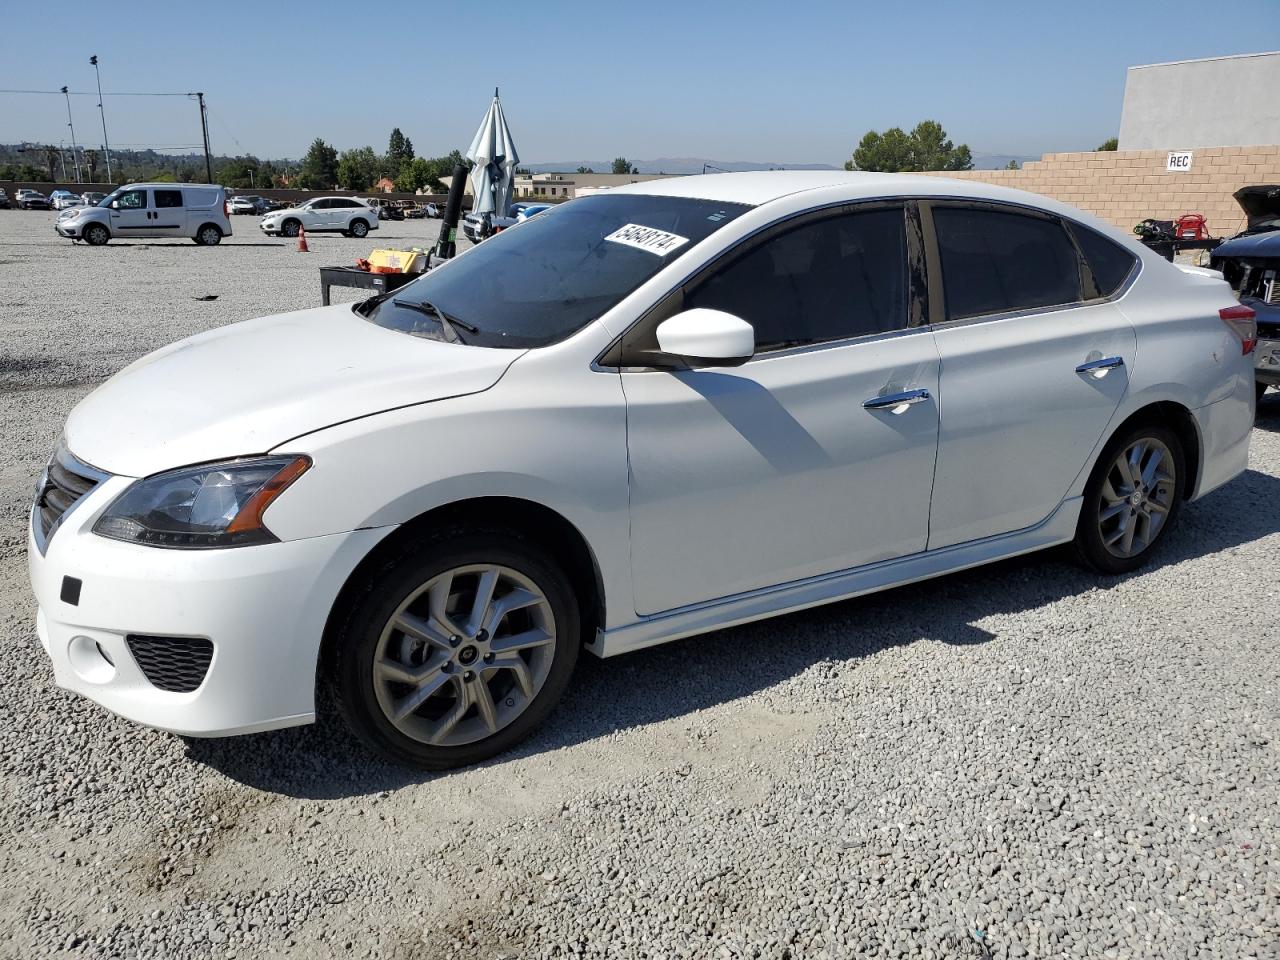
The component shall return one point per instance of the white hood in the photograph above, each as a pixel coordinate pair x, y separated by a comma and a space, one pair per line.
248, 387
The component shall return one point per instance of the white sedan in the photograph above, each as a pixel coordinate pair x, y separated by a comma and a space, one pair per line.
663, 410
345, 215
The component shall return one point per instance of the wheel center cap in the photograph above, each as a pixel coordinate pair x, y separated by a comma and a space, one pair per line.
1138, 498
467, 656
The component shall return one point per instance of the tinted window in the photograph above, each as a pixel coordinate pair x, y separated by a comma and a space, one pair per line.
168, 198
829, 279
1109, 261
550, 276
341, 203
995, 261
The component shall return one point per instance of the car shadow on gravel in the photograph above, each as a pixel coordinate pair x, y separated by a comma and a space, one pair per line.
324, 762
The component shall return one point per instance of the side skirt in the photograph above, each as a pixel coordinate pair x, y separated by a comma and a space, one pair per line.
1057, 529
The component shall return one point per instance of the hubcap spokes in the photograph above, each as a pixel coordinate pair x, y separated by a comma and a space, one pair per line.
464, 655
1137, 494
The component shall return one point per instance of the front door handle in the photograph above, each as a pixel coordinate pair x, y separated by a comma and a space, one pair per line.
897, 403
1100, 368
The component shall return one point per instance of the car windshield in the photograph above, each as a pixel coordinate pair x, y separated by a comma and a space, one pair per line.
547, 278
106, 201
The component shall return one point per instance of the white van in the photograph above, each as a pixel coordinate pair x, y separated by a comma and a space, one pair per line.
198, 211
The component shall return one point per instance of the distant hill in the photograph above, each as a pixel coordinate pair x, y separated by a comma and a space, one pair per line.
673, 165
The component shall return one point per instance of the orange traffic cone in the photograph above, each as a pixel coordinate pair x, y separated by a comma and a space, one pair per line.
302, 240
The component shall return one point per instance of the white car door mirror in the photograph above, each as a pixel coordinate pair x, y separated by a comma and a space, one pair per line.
702, 337
115, 204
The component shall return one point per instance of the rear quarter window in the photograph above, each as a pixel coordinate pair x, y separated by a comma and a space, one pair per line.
1111, 263
199, 198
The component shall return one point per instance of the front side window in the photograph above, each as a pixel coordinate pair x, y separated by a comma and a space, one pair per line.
831, 279
131, 199
996, 261
550, 276
168, 198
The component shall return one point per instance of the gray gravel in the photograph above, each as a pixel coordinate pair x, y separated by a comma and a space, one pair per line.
1018, 761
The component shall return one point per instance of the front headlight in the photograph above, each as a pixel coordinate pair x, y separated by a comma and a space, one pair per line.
212, 505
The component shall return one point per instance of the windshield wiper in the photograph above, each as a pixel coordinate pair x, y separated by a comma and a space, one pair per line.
447, 322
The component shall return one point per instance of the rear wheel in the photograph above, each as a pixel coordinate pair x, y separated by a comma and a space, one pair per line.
456, 649
208, 236
359, 229
1132, 499
96, 235
290, 228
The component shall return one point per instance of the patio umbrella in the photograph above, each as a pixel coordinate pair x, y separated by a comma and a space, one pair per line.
494, 157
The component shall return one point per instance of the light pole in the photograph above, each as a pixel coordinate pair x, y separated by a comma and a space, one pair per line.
106, 147
74, 155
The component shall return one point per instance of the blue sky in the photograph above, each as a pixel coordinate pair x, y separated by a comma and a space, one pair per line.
784, 82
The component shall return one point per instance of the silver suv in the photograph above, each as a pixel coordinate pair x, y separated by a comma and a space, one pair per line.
197, 211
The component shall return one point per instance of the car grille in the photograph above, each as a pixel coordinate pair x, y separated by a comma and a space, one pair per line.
66, 480
175, 664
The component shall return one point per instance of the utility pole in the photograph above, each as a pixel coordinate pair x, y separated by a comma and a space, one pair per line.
74, 155
204, 128
106, 146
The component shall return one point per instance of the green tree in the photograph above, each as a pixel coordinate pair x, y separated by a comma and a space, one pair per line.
422, 173
622, 165
1013, 165
358, 169
1110, 144
399, 152
50, 161
585, 170
319, 167
240, 172
925, 148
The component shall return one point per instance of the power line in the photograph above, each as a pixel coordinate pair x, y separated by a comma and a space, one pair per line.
77, 93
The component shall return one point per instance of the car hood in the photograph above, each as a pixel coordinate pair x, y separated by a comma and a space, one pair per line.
1264, 244
1260, 203
249, 387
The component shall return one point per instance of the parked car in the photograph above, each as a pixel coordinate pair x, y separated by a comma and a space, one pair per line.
415, 212
531, 210
481, 226
666, 409
244, 205
332, 214
198, 211
33, 200
66, 201
432, 210
55, 195
1250, 262
92, 198
4, 199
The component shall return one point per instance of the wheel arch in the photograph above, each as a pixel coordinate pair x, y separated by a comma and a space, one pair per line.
210, 223
540, 523
1178, 418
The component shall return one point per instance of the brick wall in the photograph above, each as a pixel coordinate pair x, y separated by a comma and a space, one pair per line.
1127, 187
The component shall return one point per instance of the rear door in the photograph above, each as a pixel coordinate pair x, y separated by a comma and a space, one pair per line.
170, 213
132, 214
1035, 359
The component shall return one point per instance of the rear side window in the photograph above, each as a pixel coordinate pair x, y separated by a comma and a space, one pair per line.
168, 198
995, 261
1110, 262
199, 198
832, 279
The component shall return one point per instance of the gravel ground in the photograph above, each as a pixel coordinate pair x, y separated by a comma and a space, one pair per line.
1018, 761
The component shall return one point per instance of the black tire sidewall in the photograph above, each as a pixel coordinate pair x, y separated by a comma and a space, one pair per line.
290, 228
208, 243
96, 230
382, 591
356, 226
1088, 541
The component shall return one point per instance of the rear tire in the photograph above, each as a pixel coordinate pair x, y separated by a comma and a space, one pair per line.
1132, 498
96, 235
208, 235
358, 229
473, 693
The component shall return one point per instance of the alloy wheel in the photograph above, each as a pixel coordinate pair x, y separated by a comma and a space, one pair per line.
1136, 498
464, 655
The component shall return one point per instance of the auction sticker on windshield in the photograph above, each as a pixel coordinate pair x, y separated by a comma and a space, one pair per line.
647, 238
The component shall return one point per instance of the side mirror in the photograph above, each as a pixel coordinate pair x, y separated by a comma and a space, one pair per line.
115, 204
702, 337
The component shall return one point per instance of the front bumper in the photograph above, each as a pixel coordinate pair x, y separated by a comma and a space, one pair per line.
68, 229
264, 608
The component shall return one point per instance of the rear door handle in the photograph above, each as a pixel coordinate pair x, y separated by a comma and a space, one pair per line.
897, 403
1100, 368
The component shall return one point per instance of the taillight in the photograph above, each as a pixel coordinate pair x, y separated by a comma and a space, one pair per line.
1243, 323
226, 208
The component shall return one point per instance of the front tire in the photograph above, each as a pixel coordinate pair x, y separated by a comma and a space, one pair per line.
290, 228
455, 648
1132, 499
96, 235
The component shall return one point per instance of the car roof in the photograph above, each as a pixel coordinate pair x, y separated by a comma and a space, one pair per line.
764, 186
172, 186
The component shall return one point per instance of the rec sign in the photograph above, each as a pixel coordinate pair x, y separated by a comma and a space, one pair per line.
1178, 162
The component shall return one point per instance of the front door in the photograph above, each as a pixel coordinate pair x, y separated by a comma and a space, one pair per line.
1034, 363
132, 215
815, 456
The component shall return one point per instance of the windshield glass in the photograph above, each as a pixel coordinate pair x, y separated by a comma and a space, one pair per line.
539, 282
106, 201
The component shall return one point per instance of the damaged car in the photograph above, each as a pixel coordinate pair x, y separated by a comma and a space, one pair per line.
1250, 262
